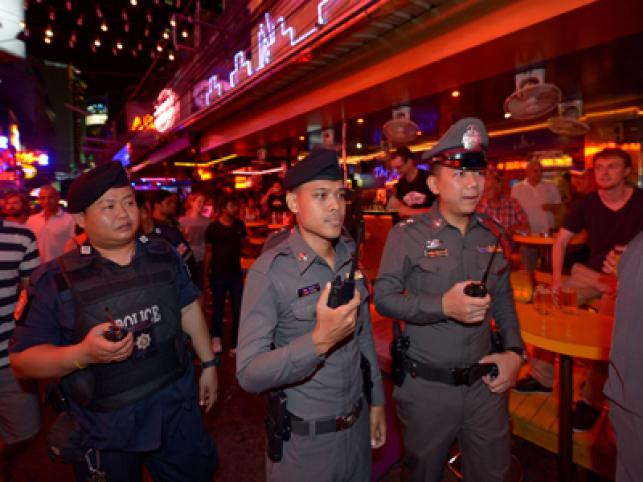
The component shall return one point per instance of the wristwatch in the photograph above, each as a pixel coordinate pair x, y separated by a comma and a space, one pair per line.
215, 362
520, 352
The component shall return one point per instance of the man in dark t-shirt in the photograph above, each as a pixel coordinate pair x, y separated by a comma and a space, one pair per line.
412, 189
222, 265
612, 217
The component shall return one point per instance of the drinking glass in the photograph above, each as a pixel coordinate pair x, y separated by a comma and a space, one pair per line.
543, 300
568, 300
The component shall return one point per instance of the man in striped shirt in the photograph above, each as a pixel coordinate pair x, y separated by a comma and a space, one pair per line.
19, 407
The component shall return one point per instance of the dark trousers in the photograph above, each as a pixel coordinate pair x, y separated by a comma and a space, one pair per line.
187, 455
220, 285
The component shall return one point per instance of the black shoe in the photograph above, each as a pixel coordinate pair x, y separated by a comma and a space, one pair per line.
584, 417
530, 385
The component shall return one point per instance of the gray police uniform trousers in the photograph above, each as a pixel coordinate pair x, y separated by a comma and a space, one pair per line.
343, 456
434, 414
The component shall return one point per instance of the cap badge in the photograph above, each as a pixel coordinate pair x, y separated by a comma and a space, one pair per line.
85, 249
472, 139
302, 256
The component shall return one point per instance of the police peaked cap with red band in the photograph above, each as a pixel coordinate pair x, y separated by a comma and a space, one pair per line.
91, 185
321, 164
462, 146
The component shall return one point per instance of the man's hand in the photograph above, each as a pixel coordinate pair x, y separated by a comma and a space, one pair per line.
378, 426
333, 325
609, 263
509, 364
208, 387
97, 349
467, 309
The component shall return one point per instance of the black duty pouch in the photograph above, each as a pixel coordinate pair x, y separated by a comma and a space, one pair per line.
64, 441
277, 423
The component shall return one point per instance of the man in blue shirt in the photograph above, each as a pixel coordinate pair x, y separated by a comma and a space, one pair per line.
110, 320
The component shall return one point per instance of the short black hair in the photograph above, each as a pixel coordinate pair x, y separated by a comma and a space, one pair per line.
157, 197
614, 152
141, 198
227, 198
403, 152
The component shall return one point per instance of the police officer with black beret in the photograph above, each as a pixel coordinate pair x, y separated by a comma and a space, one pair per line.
110, 319
427, 263
290, 340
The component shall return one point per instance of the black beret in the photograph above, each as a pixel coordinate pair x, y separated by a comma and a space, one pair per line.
462, 146
91, 185
321, 164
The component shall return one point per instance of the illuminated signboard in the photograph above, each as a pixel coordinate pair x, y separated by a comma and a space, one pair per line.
12, 14
30, 158
124, 155
142, 123
96, 114
166, 110
272, 36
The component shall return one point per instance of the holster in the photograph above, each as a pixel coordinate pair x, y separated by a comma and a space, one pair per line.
64, 441
398, 349
277, 424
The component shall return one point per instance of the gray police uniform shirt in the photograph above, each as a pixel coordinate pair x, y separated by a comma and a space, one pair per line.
279, 307
423, 258
626, 357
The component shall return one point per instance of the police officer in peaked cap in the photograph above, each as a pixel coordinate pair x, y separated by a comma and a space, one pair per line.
452, 385
293, 345
110, 320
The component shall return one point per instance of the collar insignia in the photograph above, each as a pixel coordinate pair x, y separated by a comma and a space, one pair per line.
85, 249
302, 256
143, 239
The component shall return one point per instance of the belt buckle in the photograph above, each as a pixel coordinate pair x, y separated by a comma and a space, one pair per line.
344, 422
460, 376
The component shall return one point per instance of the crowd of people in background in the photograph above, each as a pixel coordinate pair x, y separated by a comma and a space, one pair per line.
210, 233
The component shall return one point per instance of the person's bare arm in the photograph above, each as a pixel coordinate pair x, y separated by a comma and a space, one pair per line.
558, 256
193, 323
49, 361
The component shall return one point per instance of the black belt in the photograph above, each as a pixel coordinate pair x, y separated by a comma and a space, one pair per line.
451, 376
302, 427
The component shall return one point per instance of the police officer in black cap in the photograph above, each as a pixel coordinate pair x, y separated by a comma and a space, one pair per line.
291, 341
427, 263
110, 319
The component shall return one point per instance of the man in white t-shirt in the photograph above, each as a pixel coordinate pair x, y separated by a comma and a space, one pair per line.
52, 226
540, 200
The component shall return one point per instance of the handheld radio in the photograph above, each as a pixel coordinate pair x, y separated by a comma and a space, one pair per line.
341, 291
479, 290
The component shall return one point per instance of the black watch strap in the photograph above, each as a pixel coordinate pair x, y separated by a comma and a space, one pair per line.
215, 362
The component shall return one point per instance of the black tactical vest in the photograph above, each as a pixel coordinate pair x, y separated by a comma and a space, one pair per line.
141, 298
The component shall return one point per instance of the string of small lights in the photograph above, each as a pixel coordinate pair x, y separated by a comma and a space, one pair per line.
131, 27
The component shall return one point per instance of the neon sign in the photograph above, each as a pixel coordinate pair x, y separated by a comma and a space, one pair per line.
143, 123
268, 33
166, 110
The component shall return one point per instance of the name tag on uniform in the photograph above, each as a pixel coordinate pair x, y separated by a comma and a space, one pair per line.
308, 290
490, 249
437, 253
433, 246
